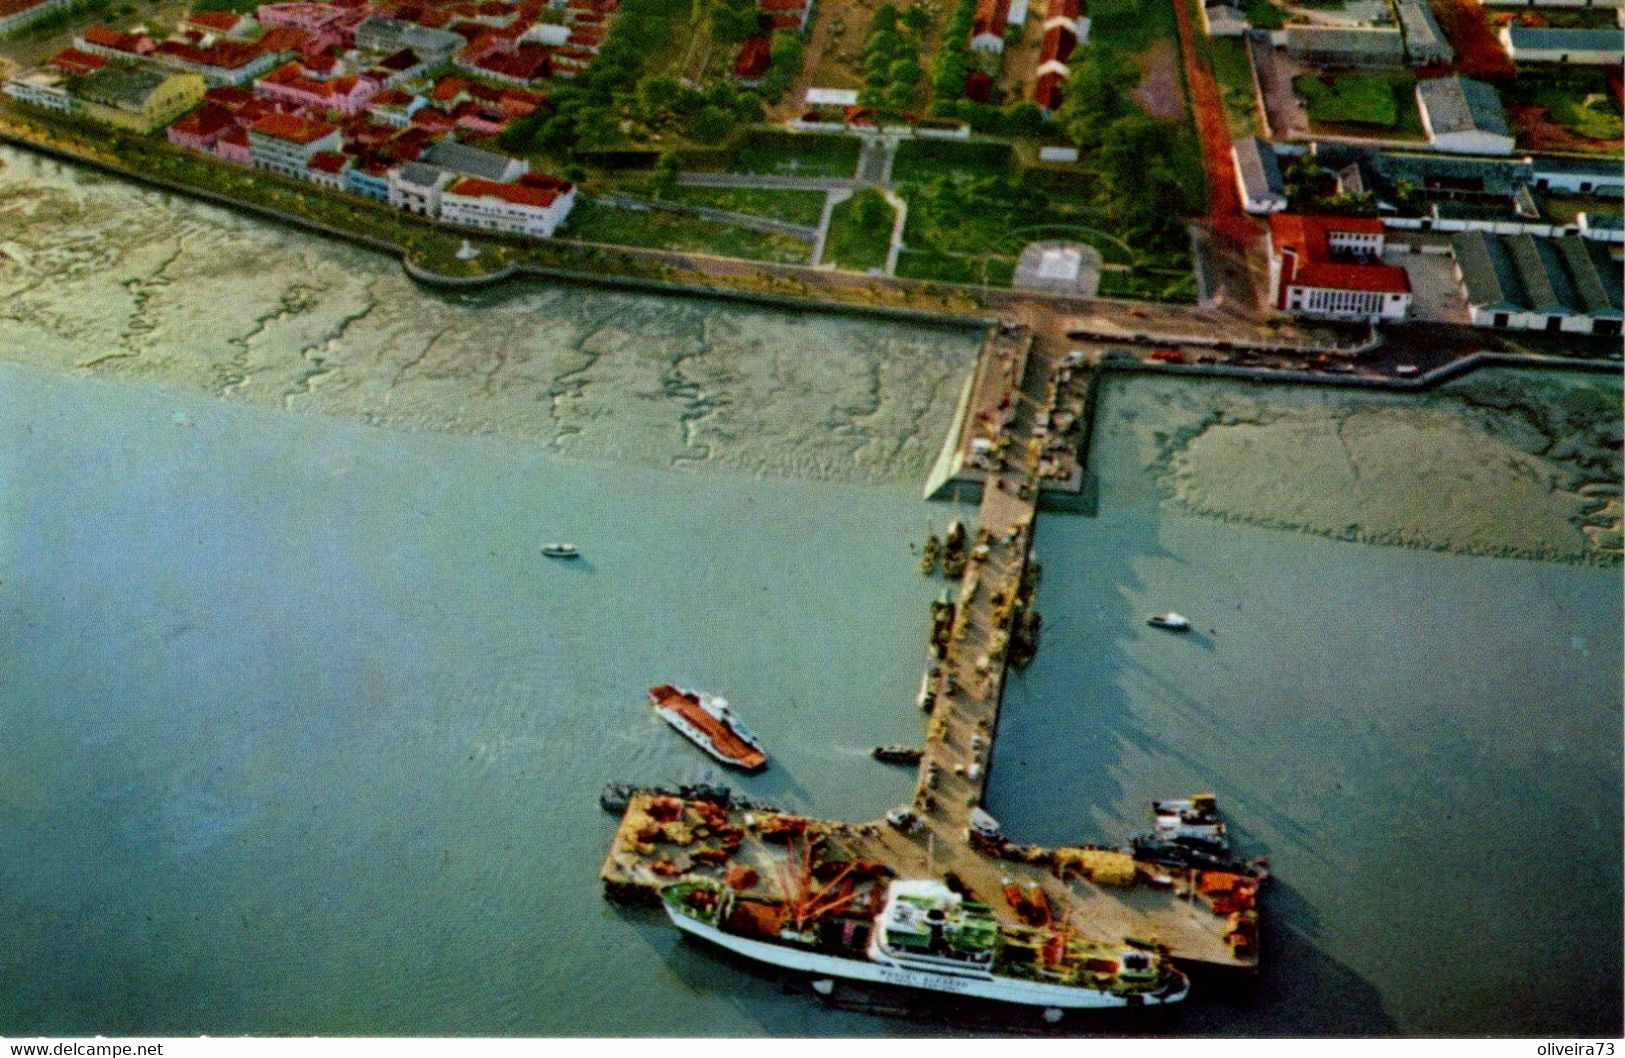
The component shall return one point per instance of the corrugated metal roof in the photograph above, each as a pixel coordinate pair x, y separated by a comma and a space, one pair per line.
1597, 277
1487, 272
1541, 38
1455, 104
1546, 286
1259, 169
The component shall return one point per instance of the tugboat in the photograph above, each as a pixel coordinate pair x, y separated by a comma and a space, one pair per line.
1171, 621
955, 550
557, 550
706, 721
898, 754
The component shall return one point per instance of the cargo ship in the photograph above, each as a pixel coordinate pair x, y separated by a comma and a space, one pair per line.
919, 934
706, 721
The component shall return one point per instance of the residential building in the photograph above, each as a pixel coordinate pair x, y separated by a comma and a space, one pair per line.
990, 24
1258, 175
1048, 91
753, 61
1330, 266
464, 160
395, 106
138, 100
41, 88
76, 62
1569, 285
1602, 227
326, 169
223, 62
417, 187
1425, 42
1373, 46
114, 44
1462, 116
390, 35
285, 143
370, 180
786, 14
202, 128
291, 83
221, 23
1581, 47
1071, 14
536, 205
1579, 176
20, 14
232, 146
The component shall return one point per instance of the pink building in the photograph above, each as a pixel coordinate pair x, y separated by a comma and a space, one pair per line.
232, 146
291, 84
202, 128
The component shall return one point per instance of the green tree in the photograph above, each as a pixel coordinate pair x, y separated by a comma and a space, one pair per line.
885, 18
710, 125
666, 173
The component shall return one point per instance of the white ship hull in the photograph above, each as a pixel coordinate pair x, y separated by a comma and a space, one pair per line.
965, 982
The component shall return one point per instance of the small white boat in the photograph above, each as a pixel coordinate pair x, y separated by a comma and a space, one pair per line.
561, 551
1171, 621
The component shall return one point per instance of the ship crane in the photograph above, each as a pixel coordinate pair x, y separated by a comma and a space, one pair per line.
805, 899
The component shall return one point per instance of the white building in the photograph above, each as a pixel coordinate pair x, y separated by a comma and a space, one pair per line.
1523, 282
41, 88
534, 206
19, 14
416, 188
1330, 267
1258, 175
285, 143
1580, 47
1463, 117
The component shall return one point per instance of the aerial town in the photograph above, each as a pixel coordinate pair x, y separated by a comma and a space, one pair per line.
1376, 193
1366, 161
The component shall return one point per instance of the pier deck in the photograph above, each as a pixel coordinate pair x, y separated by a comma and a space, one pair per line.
1019, 378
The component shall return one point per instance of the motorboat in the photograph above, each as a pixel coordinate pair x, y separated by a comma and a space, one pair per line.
557, 550
1171, 621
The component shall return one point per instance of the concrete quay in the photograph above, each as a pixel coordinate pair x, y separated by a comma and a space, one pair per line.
1020, 374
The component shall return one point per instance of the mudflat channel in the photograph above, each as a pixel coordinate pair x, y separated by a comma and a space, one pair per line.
309, 737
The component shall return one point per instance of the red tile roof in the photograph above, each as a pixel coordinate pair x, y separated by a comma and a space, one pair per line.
1047, 93
284, 38
992, 16
229, 96
221, 21
326, 162
1304, 243
223, 55
292, 128
1065, 8
72, 60
206, 121
1059, 44
755, 56
978, 86
521, 194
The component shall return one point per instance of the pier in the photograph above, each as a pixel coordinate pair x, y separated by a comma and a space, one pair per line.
1022, 425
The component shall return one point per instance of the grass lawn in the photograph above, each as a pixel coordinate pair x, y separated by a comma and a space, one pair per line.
860, 232
1234, 73
1350, 99
1564, 208
1589, 114
594, 222
973, 271
797, 207
1132, 25
1261, 14
920, 161
1149, 286
797, 154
